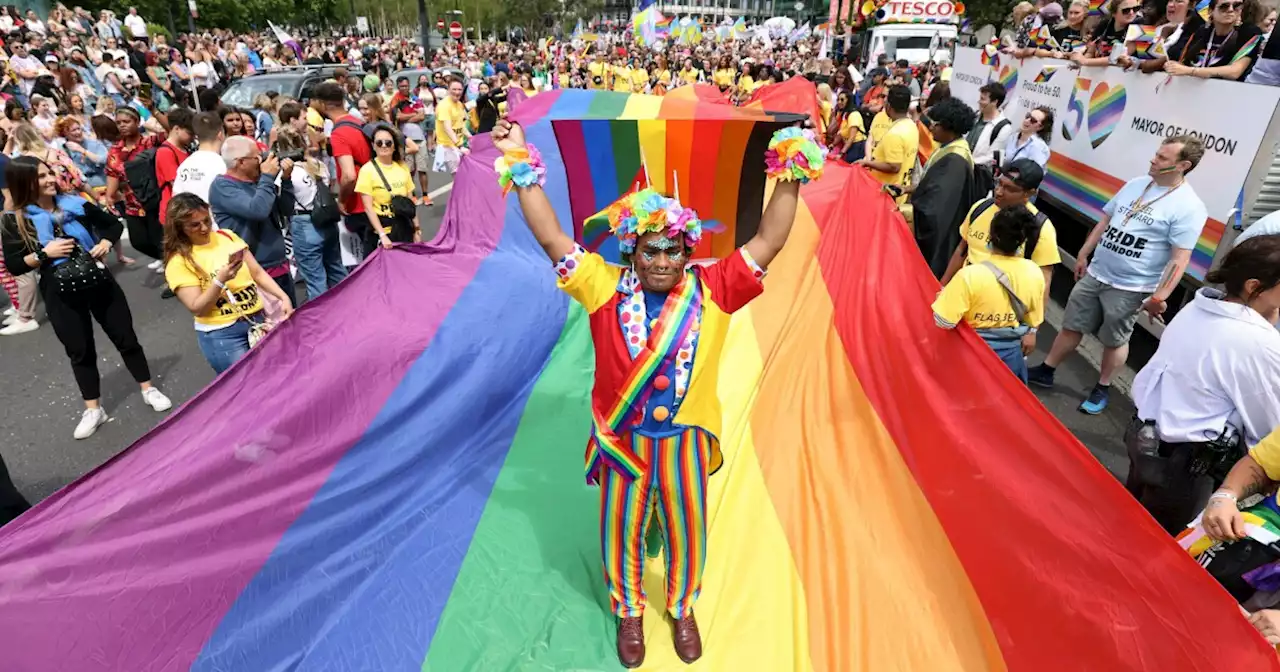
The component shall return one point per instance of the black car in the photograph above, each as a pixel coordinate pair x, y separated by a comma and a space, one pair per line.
295, 82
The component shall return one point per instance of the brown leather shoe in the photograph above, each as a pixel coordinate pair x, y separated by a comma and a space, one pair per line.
631, 641
688, 642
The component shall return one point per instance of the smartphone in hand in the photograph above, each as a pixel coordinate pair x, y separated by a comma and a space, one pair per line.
237, 257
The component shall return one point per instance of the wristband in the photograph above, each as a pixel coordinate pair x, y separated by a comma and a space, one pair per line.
520, 168
1224, 494
794, 155
218, 283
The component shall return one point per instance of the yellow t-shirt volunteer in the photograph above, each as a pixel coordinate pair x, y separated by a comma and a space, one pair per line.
690, 76
598, 69
621, 78
880, 125
974, 234
899, 145
663, 77
314, 120
639, 80
210, 257
369, 183
851, 126
975, 296
449, 114
723, 77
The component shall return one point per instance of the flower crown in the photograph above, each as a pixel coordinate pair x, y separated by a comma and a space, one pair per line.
644, 211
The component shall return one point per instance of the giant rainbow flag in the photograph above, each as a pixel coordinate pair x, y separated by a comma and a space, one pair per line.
392, 481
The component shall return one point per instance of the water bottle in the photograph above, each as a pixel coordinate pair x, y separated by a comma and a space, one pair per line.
1148, 440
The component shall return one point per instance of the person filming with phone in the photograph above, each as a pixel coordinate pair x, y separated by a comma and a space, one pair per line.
216, 277
247, 201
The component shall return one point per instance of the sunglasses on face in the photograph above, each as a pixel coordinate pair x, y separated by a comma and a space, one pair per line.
1231, 6
1128, 10
384, 143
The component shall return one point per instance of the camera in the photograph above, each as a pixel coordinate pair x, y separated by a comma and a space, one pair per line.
297, 155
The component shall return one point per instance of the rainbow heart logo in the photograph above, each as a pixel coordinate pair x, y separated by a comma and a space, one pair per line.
1106, 105
1008, 76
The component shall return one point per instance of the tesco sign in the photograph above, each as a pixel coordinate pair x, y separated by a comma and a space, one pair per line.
910, 9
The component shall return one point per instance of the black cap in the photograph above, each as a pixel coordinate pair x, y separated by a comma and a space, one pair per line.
1025, 173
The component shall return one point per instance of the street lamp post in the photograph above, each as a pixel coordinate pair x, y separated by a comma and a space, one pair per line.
424, 28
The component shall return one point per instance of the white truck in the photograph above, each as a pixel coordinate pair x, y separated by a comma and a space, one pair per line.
913, 29
1108, 125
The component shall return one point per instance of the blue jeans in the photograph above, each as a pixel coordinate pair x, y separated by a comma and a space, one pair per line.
318, 255
226, 346
1010, 352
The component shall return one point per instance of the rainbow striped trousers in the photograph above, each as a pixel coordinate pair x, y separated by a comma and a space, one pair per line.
674, 490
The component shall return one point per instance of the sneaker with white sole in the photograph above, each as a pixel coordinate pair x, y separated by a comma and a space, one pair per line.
156, 399
10, 319
20, 327
89, 422
10, 311
155, 265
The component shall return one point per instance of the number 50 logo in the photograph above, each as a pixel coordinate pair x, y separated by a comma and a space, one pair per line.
1106, 105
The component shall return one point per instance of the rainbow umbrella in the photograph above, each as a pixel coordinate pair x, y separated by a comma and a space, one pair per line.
392, 479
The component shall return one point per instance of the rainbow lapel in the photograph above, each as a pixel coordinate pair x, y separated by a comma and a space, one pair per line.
679, 315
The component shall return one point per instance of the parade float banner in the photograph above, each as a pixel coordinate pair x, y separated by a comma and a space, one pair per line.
393, 481
1109, 123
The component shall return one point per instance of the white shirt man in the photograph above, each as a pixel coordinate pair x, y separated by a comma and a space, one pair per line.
993, 130
196, 173
135, 24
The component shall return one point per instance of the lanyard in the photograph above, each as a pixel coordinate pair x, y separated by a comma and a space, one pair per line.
1211, 49
1140, 205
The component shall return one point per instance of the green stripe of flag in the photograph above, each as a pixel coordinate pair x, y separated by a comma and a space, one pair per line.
529, 595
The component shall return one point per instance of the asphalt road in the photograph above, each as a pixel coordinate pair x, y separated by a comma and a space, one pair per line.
40, 404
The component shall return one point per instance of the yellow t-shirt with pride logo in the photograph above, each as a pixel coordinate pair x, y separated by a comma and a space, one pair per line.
210, 257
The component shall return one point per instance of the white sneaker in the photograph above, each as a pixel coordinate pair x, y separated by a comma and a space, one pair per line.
20, 327
10, 311
155, 265
89, 422
10, 319
156, 399
160, 269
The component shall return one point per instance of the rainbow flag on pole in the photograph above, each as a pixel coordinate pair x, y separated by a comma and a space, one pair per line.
392, 479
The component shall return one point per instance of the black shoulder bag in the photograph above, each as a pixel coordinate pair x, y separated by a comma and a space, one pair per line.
403, 210
80, 272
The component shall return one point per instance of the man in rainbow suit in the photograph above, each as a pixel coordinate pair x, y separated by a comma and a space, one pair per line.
658, 327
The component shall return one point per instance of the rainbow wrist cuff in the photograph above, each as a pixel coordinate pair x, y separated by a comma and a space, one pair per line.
794, 155
520, 168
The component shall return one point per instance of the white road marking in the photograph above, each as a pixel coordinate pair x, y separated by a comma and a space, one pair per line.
442, 190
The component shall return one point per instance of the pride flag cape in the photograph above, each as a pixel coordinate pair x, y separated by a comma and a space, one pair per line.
392, 481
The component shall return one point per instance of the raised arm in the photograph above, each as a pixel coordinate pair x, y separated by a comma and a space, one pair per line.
775, 224
537, 208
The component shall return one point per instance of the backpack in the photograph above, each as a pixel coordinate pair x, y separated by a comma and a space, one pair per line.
984, 175
140, 172
324, 207
1033, 236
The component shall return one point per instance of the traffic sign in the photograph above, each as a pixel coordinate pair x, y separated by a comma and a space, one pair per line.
455, 30
439, 24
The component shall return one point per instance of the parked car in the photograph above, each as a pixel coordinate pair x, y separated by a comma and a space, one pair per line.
295, 82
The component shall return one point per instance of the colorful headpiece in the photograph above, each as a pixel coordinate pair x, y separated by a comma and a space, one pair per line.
643, 211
